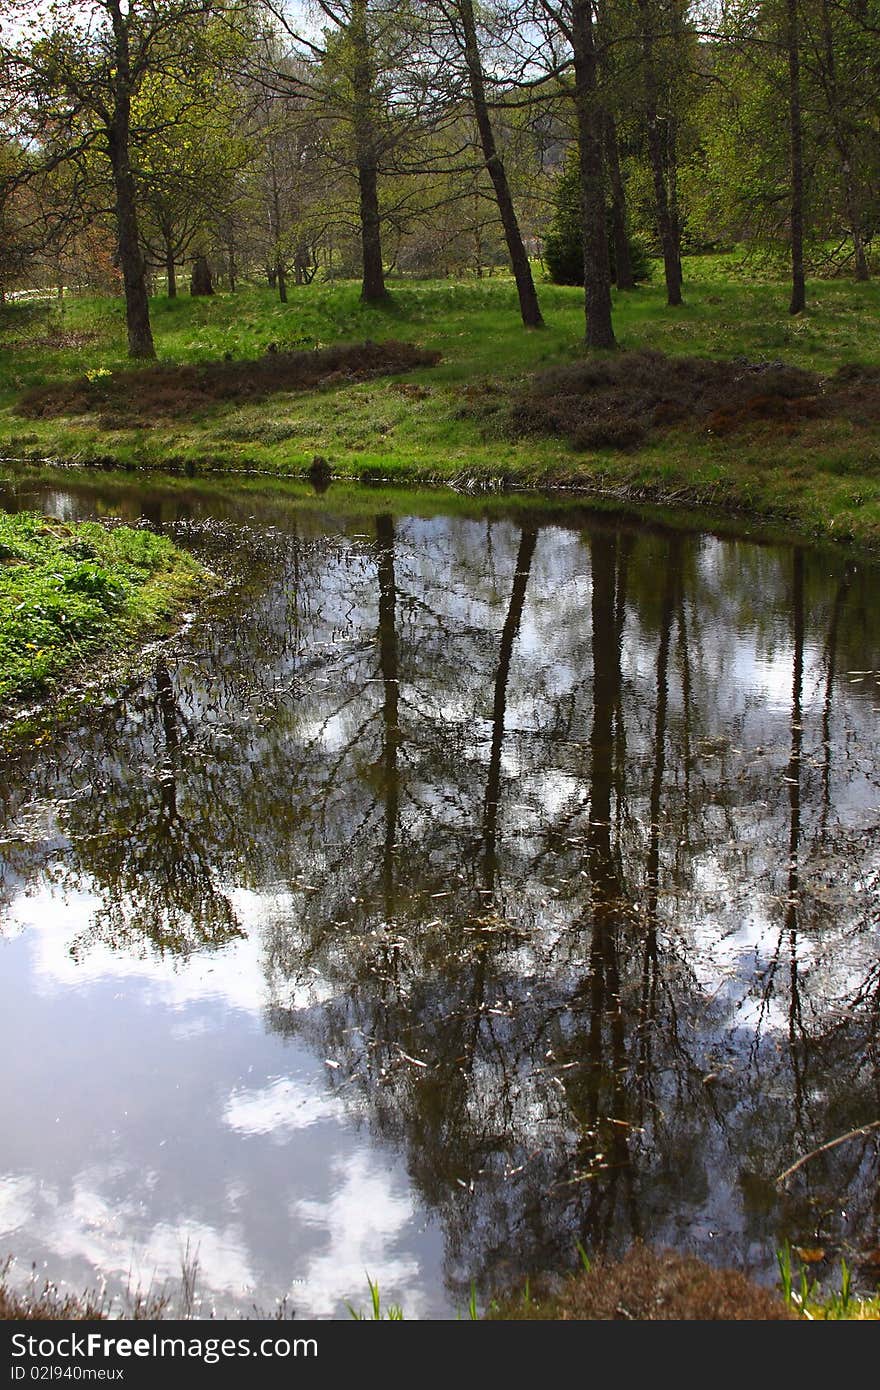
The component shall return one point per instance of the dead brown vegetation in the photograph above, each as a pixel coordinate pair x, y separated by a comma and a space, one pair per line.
48, 1305
52, 342
617, 402
651, 1286
139, 396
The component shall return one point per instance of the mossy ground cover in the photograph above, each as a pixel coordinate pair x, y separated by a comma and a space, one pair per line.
68, 593
818, 469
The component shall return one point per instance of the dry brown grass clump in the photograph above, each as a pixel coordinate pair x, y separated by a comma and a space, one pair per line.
617, 402
652, 1286
48, 1305
140, 395
51, 342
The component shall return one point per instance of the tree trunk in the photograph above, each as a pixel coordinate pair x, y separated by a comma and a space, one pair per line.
623, 274
278, 277
672, 175
798, 288
201, 282
389, 666
861, 261
373, 289
528, 541
169, 269
597, 272
131, 262
519, 260
828, 73
665, 225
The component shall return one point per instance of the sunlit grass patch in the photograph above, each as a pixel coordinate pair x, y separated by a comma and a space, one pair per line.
68, 592
429, 431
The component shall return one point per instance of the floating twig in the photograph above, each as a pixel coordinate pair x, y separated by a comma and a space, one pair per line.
823, 1148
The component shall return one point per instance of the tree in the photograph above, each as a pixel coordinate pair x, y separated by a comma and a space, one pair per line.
79, 77
564, 244
792, 43
573, 45
187, 171
16, 219
666, 222
463, 11
597, 268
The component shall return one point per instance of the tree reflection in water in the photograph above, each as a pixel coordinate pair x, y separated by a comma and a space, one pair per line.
572, 823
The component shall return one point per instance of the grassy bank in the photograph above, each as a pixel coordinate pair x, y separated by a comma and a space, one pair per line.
646, 1285
71, 593
649, 1285
816, 469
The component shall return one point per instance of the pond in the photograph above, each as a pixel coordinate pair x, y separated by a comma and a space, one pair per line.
469, 880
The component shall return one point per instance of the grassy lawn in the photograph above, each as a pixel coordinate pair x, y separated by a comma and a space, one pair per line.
71, 593
442, 423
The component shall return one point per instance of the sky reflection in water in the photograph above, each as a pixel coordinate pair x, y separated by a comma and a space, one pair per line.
460, 887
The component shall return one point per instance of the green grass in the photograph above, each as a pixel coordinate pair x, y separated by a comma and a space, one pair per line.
68, 593
429, 426
804, 1295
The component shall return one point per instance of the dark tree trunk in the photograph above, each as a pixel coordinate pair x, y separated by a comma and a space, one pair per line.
528, 541
601, 1091
278, 277
665, 224
131, 262
675, 18
597, 271
650, 955
519, 261
793, 771
373, 289
792, 38
672, 174
623, 274
389, 666
828, 73
862, 272
201, 282
169, 269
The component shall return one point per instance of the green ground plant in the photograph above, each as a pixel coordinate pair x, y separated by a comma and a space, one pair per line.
803, 1293
69, 592
393, 1313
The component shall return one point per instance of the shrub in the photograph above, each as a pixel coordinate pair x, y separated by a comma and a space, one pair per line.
563, 244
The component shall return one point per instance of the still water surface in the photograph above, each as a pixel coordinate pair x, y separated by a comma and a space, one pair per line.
457, 888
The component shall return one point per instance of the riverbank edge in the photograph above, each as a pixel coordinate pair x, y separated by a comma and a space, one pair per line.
708, 494
644, 1285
